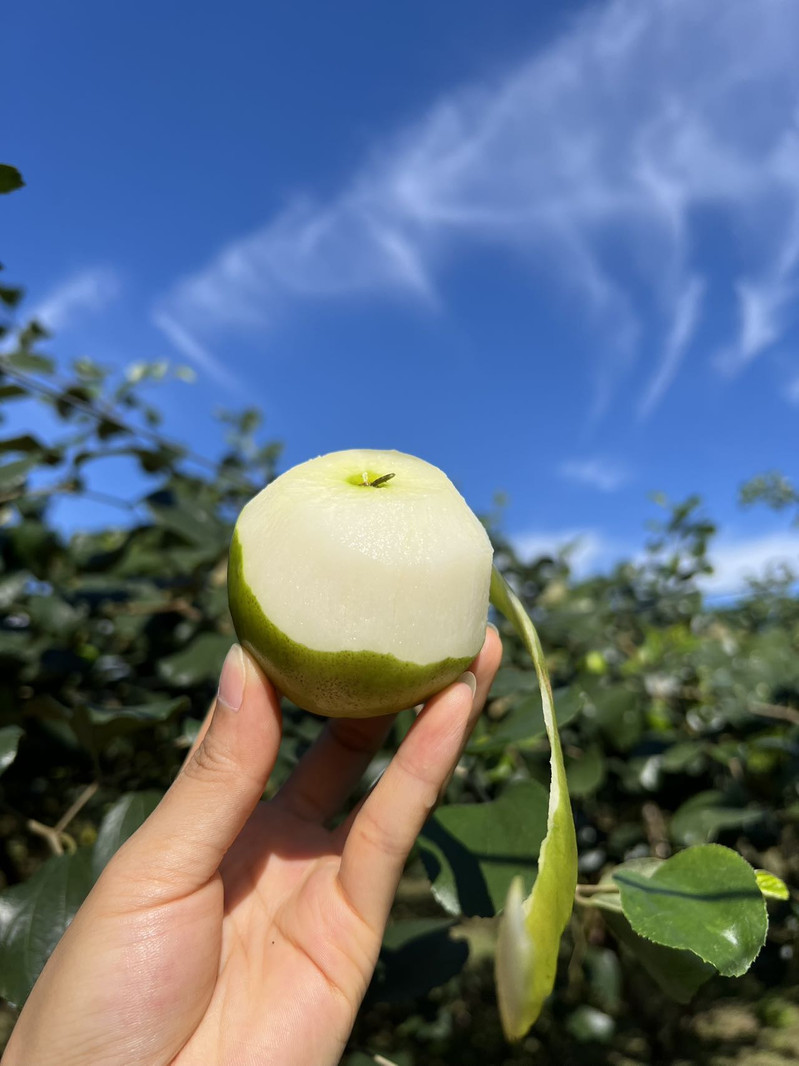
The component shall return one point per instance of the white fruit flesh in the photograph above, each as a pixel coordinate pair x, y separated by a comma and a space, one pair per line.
339, 564
401, 569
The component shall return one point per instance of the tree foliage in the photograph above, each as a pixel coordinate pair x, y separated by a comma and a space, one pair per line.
679, 720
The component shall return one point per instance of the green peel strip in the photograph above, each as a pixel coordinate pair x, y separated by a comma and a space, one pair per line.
530, 929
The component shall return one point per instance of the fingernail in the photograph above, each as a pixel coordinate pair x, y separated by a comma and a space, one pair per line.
492, 626
232, 680
467, 678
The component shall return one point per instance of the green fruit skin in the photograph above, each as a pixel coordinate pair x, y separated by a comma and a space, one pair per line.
337, 684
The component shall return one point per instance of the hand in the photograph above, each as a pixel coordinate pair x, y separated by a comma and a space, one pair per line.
229, 931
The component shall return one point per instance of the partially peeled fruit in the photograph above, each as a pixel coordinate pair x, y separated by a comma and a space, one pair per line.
359, 581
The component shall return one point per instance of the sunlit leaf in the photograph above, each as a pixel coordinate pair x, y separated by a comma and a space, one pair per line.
771, 886
706, 900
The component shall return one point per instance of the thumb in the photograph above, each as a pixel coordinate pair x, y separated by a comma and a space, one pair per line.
180, 846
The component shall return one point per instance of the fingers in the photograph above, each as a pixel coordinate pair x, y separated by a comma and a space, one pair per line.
330, 770
383, 831
182, 843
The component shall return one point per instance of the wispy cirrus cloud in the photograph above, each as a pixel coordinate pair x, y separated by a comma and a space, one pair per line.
78, 296
596, 472
687, 309
202, 357
765, 302
598, 155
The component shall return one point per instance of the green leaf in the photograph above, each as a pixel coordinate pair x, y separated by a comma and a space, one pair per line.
706, 900
605, 978
771, 886
472, 851
88, 369
144, 713
586, 773
678, 973
13, 475
53, 615
10, 178
9, 742
200, 661
12, 392
417, 955
12, 587
685, 758
30, 362
701, 818
617, 712
511, 681
121, 822
11, 295
530, 929
23, 442
33, 917
190, 520
15, 645
523, 723
590, 1026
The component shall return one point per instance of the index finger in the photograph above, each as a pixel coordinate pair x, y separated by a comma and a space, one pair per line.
385, 827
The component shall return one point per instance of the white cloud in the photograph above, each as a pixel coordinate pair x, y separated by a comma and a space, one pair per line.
596, 157
596, 473
198, 354
736, 560
587, 548
85, 293
762, 309
764, 304
686, 317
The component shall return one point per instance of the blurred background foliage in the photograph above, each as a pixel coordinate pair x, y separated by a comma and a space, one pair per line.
680, 723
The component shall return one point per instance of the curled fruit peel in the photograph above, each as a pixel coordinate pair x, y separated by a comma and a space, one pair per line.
530, 929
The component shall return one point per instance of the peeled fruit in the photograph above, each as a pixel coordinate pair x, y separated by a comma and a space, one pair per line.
359, 581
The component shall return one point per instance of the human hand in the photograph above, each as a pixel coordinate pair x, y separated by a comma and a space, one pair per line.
230, 931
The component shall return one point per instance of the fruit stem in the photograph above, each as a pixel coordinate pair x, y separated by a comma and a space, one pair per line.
378, 481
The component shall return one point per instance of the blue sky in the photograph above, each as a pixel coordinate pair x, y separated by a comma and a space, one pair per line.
553, 249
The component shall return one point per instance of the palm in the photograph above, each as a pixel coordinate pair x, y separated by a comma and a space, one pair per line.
229, 930
285, 928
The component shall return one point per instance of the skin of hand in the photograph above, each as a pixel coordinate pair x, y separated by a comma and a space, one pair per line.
232, 932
